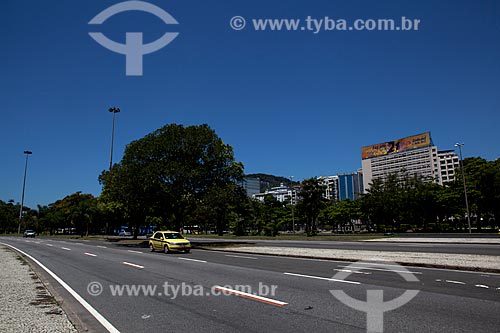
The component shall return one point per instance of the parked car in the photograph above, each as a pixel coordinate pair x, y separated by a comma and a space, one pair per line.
124, 232
29, 233
168, 241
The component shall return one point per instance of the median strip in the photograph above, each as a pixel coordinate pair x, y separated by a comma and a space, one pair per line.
250, 296
132, 265
321, 278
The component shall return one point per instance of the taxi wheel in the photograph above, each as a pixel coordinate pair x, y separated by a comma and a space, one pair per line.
166, 249
151, 247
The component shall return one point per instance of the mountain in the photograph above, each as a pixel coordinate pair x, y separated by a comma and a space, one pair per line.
268, 181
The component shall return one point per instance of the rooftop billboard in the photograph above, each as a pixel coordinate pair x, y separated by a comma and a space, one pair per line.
397, 146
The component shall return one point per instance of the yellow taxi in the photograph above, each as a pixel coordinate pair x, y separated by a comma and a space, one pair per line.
169, 241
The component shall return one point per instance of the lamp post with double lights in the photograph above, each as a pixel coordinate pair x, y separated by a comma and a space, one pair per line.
459, 145
114, 111
27, 153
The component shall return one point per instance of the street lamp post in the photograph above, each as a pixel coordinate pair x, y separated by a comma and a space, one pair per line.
459, 145
27, 153
291, 202
114, 111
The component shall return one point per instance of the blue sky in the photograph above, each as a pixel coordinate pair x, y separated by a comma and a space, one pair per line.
290, 103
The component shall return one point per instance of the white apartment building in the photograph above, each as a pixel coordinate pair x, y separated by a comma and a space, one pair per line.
281, 193
448, 163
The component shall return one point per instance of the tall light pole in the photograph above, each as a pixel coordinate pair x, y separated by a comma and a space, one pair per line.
27, 153
291, 202
459, 145
114, 111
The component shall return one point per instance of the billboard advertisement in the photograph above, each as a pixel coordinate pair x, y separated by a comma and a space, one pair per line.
397, 146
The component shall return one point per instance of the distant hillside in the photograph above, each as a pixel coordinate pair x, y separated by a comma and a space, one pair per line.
268, 181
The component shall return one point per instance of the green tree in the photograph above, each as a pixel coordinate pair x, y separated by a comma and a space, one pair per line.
312, 202
171, 172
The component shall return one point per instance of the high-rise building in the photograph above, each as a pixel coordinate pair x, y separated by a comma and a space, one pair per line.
251, 185
448, 163
343, 186
350, 185
415, 154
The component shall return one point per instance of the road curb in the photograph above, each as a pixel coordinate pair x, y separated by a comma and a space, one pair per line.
424, 265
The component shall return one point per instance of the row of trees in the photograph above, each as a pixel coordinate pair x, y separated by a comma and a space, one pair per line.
179, 177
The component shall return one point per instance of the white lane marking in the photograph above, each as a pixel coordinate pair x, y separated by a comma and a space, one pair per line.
90, 254
243, 257
383, 270
102, 247
482, 286
49, 244
104, 322
192, 259
37, 242
65, 248
27, 241
349, 271
322, 278
455, 282
132, 265
134, 251
439, 280
250, 296
498, 288
79, 243
416, 245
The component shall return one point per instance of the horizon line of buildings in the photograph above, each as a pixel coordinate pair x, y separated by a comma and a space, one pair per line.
415, 154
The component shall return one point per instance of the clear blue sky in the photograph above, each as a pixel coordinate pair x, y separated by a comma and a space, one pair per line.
290, 103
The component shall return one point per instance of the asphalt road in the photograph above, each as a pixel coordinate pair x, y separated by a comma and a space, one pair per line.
448, 301
482, 249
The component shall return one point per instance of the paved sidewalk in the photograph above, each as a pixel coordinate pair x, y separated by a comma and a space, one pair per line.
27, 306
469, 262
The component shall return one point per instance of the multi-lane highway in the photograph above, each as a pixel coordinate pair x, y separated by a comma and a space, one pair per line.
182, 291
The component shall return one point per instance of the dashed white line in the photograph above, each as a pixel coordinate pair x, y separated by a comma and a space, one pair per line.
482, 286
132, 265
349, 271
90, 254
49, 244
192, 259
242, 257
102, 247
250, 296
455, 282
321, 278
383, 270
65, 248
134, 251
